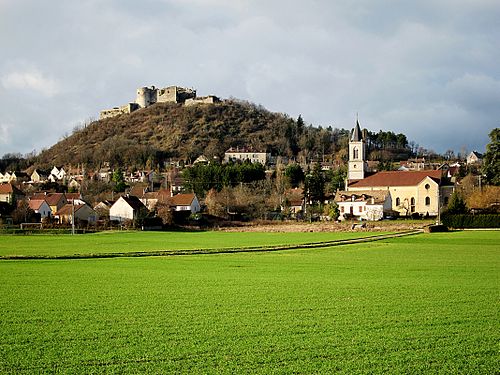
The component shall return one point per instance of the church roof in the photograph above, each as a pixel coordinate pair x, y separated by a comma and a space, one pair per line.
397, 178
357, 135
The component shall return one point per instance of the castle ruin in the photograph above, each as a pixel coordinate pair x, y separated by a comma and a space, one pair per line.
147, 96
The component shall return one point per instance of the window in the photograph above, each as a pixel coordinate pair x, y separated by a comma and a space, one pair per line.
342, 209
412, 204
360, 208
355, 153
427, 186
427, 201
398, 201
446, 199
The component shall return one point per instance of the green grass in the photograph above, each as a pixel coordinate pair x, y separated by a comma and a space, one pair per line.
118, 242
419, 304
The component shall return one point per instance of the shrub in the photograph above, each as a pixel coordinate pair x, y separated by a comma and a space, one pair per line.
471, 221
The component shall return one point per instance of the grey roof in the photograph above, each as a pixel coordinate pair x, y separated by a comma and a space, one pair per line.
357, 135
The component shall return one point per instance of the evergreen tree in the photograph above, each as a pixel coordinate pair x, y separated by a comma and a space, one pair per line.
457, 204
491, 161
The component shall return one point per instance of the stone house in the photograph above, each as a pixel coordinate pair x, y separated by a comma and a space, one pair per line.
55, 200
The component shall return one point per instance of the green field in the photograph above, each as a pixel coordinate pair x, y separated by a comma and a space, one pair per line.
421, 304
126, 242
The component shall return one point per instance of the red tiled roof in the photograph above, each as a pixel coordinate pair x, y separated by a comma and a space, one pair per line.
51, 198
6, 189
36, 203
397, 178
67, 209
182, 199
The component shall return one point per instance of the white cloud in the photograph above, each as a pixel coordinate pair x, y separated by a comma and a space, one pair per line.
5, 133
31, 79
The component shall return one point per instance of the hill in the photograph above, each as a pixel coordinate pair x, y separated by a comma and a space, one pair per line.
166, 131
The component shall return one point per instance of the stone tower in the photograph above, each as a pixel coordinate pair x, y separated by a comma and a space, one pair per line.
357, 155
146, 96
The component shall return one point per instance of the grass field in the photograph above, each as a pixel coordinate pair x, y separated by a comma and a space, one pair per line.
118, 242
419, 304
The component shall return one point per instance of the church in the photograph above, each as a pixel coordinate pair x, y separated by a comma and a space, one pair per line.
373, 196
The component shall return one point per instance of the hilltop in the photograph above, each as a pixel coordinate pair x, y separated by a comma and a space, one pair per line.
166, 131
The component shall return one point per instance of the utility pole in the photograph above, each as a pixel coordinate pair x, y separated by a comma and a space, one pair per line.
73, 217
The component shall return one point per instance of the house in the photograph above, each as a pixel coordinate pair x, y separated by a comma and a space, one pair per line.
293, 200
41, 207
14, 177
185, 202
246, 153
102, 208
10, 194
127, 207
363, 205
422, 192
74, 198
417, 164
82, 213
55, 200
38, 176
474, 158
57, 174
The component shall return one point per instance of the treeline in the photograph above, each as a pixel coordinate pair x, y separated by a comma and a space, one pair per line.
201, 178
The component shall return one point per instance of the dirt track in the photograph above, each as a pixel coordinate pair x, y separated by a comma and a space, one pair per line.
382, 226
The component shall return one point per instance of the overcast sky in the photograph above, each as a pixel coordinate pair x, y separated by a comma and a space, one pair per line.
429, 68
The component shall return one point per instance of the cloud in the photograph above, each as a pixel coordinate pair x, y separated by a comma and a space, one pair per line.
31, 79
5, 133
427, 69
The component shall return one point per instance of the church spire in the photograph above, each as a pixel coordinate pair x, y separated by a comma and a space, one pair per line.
357, 135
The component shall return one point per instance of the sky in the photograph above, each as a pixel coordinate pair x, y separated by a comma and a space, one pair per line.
429, 69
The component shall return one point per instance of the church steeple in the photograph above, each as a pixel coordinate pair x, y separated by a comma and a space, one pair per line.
357, 135
357, 157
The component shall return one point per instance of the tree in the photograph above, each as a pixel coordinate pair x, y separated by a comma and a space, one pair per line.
165, 213
294, 174
457, 204
315, 185
491, 161
119, 181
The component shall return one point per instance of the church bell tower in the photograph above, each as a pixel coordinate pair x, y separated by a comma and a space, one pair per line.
357, 155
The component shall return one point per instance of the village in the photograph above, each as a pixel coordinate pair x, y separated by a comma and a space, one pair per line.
153, 198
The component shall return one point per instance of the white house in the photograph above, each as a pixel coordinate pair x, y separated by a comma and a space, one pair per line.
363, 205
474, 158
242, 154
127, 208
185, 202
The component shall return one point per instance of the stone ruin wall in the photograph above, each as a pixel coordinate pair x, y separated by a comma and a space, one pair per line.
147, 96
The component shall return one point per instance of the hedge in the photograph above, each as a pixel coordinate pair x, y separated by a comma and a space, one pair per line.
471, 221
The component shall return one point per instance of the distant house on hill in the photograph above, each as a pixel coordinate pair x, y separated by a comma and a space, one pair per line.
246, 153
127, 207
474, 158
